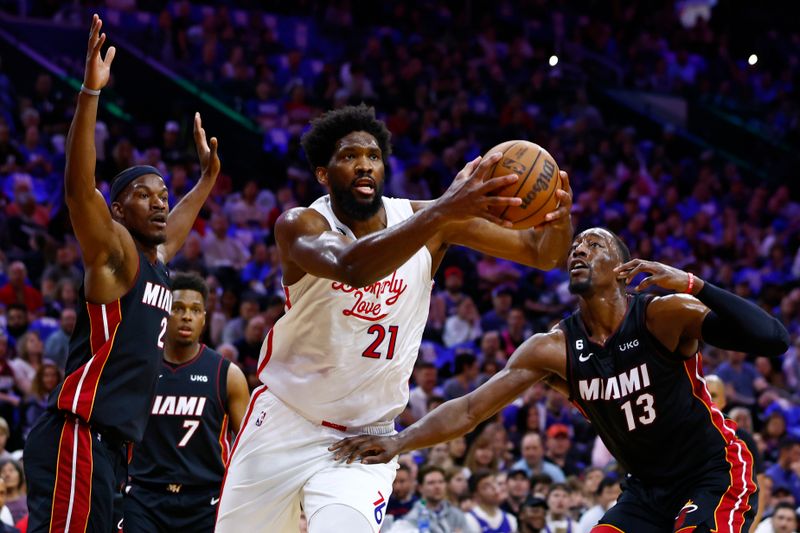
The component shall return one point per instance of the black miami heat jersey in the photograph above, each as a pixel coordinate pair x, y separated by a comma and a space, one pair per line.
650, 406
115, 353
186, 440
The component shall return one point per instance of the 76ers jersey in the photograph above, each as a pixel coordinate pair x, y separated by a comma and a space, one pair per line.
650, 406
187, 435
343, 354
114, 355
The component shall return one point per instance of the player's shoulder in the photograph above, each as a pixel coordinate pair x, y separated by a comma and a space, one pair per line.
300, 220
669, 304
211, 354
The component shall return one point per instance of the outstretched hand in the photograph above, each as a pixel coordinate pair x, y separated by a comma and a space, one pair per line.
98, 69
470, 194
206, 150
368, 448
564, 195
660, 275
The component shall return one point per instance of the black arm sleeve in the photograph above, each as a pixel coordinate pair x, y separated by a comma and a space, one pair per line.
736, 324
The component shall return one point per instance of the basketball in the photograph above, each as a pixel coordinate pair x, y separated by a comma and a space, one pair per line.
538, 181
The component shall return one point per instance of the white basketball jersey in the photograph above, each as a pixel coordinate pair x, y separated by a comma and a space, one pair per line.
342, 354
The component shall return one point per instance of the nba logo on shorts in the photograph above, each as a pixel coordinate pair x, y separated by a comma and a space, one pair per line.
261, 417
379, 504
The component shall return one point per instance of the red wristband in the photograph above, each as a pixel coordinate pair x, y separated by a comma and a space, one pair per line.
690, 286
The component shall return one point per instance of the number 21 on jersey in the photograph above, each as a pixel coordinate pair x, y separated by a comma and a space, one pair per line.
376, 348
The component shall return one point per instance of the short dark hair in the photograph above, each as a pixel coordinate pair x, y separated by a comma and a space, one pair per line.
476, 478
404, 468
784, 505
420, 364
463, 361
622, 248
320, 141
18, 307
183, 281
427, 469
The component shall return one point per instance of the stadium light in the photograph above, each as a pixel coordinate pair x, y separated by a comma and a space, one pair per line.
752, 60
553, 60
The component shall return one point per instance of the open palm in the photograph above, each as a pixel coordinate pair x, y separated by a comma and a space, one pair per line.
98, 69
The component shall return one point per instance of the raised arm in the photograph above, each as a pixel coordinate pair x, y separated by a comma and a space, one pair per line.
238, 397
708, 313
543, 247
100, 238
183, 216
537, 358
307, 242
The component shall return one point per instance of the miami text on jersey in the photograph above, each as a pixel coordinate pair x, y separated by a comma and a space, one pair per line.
178, 405
157, 296
615, 387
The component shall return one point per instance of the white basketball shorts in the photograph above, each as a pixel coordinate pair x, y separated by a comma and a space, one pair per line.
280, 462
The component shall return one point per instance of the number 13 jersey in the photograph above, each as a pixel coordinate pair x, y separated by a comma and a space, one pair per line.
343, 354
650, 406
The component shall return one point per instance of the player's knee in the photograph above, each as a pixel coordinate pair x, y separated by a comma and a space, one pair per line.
338, 517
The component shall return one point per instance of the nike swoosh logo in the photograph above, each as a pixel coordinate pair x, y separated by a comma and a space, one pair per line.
214, 501
583, 358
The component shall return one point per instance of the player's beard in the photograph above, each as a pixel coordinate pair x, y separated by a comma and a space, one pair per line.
582, 286
346, 200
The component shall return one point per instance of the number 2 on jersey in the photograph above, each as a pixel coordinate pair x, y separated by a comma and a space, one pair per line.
372, 350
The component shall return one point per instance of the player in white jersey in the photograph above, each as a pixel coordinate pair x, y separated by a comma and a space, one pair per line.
357, 270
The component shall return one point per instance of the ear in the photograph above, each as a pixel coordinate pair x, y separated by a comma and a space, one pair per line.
116, 211
322, 175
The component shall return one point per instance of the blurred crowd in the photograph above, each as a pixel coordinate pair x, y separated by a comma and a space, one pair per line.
450, 83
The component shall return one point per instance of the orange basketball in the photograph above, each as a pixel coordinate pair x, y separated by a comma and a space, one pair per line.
538, 181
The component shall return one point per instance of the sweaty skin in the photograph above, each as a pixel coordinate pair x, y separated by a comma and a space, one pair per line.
597, 270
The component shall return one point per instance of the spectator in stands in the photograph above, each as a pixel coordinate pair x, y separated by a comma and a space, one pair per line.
452, 295
784, 472
457, 487
425, 377
533, 461
519, 488
783, 520
466, 372
5, 433
16, 323
235, 327
741, 378
608, 490
481, 453
515, 332
464, 326
47, 377
249, 348
56, 347
65, 266
443, 516
533, 515
495, 319
559, 450
30, 352
24, 206
486, 514
558, 517
6, 520
190, 258
403, 493
16, 499
19, 291
220, 249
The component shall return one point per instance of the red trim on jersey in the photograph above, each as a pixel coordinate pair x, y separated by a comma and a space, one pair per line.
288, 300
224, 442
253, 399
729, 513
267, 354
579, 408
606, 528
333, 426
72, 494
83, 382
686, 529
